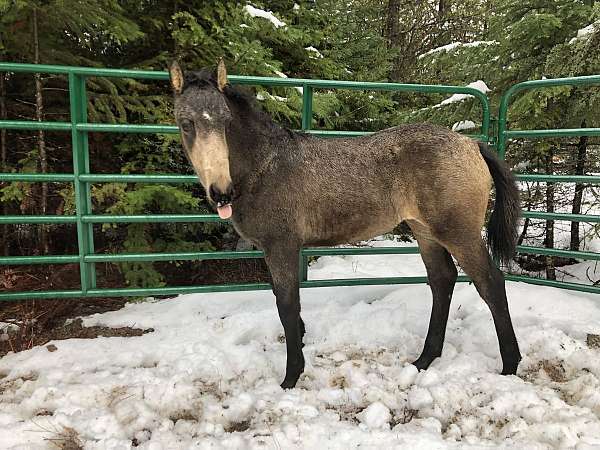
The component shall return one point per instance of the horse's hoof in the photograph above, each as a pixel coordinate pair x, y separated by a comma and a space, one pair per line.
289, 384
291, 378
423, 362
509, 366
510, 369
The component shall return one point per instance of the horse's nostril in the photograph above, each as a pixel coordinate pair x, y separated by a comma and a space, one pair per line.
219, 196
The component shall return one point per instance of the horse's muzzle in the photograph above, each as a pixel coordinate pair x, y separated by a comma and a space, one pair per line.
219, 197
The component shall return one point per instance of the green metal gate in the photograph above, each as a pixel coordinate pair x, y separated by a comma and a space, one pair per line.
83, 179
504, 135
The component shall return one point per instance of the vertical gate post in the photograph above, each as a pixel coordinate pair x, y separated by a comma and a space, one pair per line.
307, 99
81, 166
502, 113
303, 268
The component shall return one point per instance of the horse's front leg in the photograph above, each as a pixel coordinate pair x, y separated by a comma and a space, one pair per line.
283, 262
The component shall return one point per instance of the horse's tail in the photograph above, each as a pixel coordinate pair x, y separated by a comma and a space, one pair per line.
502, 228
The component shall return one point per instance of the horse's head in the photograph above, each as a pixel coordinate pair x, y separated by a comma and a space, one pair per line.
202, 115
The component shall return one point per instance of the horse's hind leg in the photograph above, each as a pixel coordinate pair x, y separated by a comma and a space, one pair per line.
441, 273
474, 259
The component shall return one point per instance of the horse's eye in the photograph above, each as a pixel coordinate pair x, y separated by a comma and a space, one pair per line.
187, 126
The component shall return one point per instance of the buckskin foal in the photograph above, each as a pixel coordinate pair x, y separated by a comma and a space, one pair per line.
284, 190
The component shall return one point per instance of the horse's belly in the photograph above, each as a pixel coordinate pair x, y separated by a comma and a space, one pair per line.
345, 228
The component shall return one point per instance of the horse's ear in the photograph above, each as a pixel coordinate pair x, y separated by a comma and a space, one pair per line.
221, 75
176, 77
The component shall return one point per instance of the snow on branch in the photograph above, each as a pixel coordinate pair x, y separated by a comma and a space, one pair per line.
454, 45
256, 12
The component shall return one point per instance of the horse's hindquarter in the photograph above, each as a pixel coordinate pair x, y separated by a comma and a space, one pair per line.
423, 173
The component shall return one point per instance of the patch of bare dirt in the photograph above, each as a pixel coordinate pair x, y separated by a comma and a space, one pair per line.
554, 369
66, 439
237, 426
593, 340
16, 340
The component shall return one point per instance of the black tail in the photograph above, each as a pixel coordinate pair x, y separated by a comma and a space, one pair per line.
502, 228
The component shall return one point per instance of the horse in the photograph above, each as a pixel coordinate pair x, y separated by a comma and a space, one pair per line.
285, 189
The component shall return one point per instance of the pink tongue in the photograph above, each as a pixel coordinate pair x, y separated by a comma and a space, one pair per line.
224, 211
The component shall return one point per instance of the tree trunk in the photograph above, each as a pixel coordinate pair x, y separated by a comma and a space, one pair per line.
443, 36
393, 38
39, 115
549, 240
579, 187
527, 220
3, 157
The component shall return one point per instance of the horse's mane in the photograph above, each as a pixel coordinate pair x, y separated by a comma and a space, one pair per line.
243, 98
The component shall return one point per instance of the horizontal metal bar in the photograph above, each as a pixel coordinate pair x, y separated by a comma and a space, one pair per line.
354, 85
360, 251
561, 132
85, 71
568, 81
554, 283
368, 281
183, 256
175, 256
48, 295
588, 256
37, 177
37, 219
131, 292
34, 125
139, 292
168, 178
152, 218
176, 290
588, 179
45, 259
238, 79
561, 216
246, 254
127, 128
119, 178
334, 133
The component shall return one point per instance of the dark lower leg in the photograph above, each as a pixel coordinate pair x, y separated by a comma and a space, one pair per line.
283, 265
289, 313
441, 274
509, 348
302, 332
490, 284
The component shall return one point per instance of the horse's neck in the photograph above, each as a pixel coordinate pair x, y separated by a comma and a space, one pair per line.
251, 147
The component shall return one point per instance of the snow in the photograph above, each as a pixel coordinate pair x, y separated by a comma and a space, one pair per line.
464, 125
454, 45
263, 96
376, 415
315, 51
479, 85
585, 32
208, 375
256, 12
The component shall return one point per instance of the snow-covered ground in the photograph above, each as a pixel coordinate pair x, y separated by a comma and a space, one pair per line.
208, 376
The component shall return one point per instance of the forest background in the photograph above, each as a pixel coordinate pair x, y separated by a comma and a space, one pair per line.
489, 44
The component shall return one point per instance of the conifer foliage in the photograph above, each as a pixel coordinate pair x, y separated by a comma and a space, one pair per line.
493, 44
